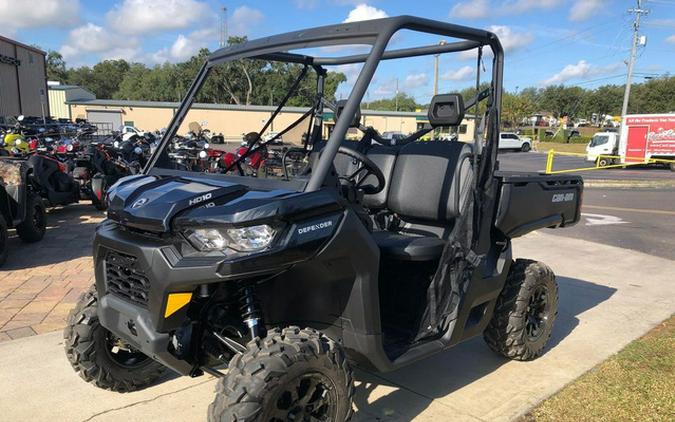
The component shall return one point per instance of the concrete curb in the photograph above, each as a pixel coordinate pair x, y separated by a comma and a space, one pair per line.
628, 184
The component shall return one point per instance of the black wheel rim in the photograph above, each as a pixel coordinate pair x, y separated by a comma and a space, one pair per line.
308, 398
122, 353
537, 313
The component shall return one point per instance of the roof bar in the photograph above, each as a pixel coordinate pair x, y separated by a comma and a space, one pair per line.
402, 53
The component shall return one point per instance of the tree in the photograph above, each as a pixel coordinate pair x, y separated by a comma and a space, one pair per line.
108, 75
404, 103
56, 67
561, 100
515, 108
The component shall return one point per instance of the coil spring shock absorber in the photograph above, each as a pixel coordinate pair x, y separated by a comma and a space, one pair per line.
250, 312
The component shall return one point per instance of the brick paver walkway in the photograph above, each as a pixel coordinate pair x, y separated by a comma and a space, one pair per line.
40, 282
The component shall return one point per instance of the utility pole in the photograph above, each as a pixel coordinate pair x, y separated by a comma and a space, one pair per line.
396, 96
223, 28
638, 12
436, 59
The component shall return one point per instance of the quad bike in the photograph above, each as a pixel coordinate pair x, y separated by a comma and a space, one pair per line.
49, 178
96, 170
375, 257
20, 207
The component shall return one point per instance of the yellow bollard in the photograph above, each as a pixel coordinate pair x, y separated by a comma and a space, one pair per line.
549, 161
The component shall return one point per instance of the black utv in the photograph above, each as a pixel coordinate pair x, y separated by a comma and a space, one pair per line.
373, 255
20, 207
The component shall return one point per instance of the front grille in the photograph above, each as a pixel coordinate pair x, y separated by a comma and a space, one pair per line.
124, 279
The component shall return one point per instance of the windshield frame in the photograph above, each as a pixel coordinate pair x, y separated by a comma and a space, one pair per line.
378, 33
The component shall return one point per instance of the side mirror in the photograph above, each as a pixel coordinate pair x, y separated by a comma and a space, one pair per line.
446, 110
339, 108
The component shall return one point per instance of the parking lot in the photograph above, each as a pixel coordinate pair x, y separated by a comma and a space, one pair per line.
607, 300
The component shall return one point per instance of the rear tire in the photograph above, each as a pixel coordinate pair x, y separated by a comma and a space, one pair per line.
672, 166
3, 240
33, 228
525, 312
291, 374
89, 351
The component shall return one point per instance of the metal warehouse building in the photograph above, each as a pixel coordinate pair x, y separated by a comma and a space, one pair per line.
234, 120
59, 95
23, 80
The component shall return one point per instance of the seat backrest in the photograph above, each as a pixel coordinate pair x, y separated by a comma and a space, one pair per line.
428, 179
385, 158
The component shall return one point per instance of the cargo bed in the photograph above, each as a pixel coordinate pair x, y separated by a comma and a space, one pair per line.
531, 201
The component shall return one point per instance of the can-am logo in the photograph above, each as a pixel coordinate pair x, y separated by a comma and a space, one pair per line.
199, 199
563, 197
139, 203
315, 227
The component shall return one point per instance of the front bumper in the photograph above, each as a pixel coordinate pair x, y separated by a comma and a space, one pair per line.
134, 325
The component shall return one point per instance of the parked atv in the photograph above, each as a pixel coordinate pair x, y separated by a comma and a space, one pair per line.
20, 207
291, 282
98, 169
49, 178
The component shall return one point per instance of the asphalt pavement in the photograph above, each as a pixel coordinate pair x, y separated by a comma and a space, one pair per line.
626, 212
536, 161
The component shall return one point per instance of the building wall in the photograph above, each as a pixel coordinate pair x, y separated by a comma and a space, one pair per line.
57, 104
32, 83
58, 95
234, 123
9, 84
23, 88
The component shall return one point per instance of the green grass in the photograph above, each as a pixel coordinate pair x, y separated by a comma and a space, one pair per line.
562, 147
636, 384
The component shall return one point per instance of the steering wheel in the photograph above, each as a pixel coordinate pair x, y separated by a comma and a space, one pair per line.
367, 168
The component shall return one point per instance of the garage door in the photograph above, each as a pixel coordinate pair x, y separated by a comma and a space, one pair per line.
105, 120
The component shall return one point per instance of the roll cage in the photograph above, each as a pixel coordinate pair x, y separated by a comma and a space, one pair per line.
376, 33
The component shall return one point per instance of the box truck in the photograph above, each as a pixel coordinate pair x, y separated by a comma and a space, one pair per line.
642, 137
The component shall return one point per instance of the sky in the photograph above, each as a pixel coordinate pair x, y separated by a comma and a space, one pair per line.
570, 42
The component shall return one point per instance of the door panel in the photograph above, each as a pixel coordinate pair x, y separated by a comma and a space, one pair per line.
636, 144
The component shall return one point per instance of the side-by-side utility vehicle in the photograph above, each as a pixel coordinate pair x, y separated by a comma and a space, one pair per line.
21, 207
374, 256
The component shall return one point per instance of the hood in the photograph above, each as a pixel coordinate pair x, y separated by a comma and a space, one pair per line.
149, 203
158, 204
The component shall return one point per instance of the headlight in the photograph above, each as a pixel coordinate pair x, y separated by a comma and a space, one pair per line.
206, 145
242, 239
69, 147
202, 154
18, 142
116, 144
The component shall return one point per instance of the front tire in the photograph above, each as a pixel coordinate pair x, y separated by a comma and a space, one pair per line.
526, 147
33, 228
604, 162
525, 312
292, 374
101, 358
